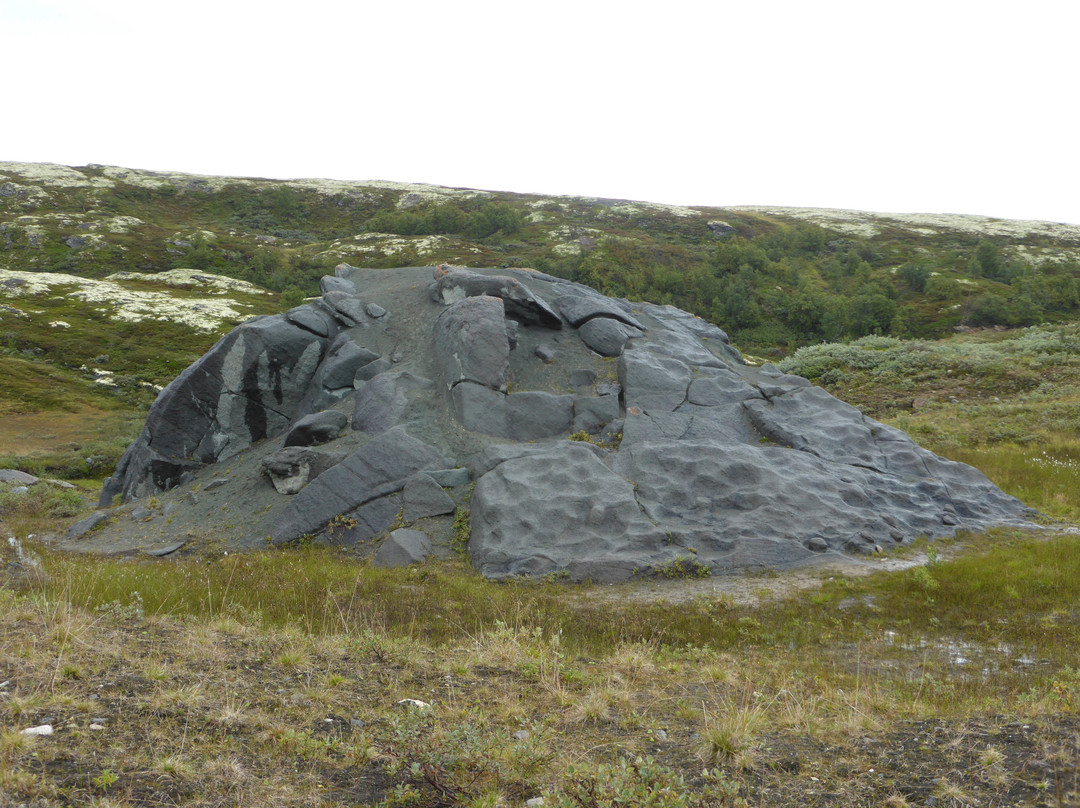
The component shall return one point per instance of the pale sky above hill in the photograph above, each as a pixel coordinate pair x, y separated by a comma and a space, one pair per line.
948, 106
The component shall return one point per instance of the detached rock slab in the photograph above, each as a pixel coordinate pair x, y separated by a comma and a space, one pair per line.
402, 548
16, 476
579, 308
607, 336
319, 427
293, 467
424, 497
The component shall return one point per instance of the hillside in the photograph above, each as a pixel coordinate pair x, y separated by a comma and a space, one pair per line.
775, 278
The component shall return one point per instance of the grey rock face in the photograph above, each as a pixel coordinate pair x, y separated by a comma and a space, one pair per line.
471, 343
593, 413
319, 427
705, 461
377, 469
559, 510
246, 388
381, 402
523, 416
454, 285
293, 467
653, 383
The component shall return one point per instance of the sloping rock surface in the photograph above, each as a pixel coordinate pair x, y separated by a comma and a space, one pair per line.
693, 460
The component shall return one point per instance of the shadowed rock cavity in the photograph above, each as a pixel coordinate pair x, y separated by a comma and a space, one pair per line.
696, 459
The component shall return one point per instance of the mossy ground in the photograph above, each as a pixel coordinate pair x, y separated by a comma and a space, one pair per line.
273, 680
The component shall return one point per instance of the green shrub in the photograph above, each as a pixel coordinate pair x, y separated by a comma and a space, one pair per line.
642, 783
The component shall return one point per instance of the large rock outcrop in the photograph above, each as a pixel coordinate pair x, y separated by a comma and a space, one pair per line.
684, 454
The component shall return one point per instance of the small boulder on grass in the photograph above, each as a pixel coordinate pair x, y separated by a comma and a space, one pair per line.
402, 548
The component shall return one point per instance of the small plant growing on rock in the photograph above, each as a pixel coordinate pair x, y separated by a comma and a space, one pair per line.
462, 527
682, 567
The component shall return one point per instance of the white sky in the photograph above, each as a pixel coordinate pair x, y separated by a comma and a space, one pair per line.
946, 106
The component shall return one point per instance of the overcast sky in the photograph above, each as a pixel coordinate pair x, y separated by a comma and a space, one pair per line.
946, 106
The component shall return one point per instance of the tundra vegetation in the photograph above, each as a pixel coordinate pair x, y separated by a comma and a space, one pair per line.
948, 676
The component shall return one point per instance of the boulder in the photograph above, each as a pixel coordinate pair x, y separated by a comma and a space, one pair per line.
16, 476
319, 427
314, 319
423, 497
579, 308
343, 360
85, 525
336, 283
402, 548
703, 461
346, 308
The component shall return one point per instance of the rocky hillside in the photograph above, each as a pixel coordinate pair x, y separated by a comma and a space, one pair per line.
775, 278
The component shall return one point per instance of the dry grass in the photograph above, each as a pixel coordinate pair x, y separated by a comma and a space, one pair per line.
243, 707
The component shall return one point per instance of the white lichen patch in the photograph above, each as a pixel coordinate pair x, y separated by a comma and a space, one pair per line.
54, 175
100, 376
128, 305
12, 311
639, 208
388, 244
867, 224
216, 284
566, 248
412, 193
32, 194
849, 222
122, 224
1040, 255
568, 232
